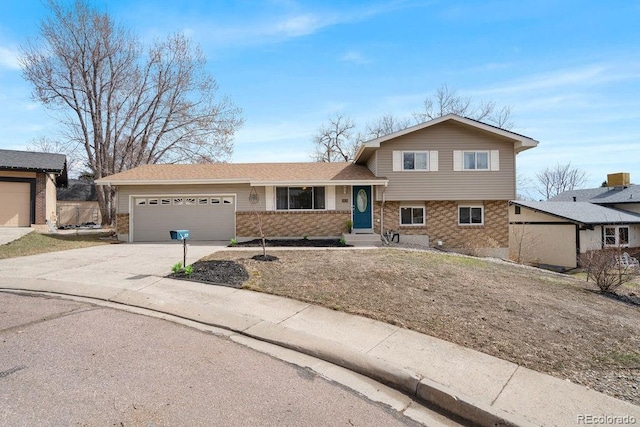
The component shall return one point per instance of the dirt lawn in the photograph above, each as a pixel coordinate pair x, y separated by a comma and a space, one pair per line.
543, 321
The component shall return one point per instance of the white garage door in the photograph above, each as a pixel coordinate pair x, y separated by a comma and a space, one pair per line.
15, 204
206, 217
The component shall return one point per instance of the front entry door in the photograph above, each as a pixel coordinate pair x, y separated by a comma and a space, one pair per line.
362, 207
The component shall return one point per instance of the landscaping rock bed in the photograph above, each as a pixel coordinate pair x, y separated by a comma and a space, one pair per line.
302, 243
226, 273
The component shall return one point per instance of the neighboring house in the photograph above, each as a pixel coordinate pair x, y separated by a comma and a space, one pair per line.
445, 181
78, 203
557, 231
28, 182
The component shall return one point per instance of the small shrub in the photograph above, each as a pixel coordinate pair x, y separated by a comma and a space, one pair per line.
602, 267
188, 270
343, 242
348, 225
234, 242
305, 237
177, 268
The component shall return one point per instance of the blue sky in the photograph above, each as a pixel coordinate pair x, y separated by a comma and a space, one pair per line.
569, 69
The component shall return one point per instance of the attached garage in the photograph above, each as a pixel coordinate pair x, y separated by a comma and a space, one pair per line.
15, 204
207, 217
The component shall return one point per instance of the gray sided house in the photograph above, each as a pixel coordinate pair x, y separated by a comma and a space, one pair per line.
557, 231
28, 182
445, 182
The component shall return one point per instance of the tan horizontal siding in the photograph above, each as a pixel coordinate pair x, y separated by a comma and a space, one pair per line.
445, 184
372, 163
241, 191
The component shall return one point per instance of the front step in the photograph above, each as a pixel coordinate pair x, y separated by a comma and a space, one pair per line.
369, 239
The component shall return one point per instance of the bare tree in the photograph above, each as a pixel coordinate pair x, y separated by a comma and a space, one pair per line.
124, 104
559, 178
334, 141
385, 125
75, 160
447, 101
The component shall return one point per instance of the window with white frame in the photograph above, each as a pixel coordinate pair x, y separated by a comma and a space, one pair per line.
412, 215
470, 215
300, 198
476, 160
415, 160
616, 236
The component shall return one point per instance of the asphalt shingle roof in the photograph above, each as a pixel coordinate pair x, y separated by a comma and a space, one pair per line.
32, 161
583, 212
245, 172
602, 195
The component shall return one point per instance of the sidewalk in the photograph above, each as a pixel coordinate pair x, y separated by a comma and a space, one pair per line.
473, 385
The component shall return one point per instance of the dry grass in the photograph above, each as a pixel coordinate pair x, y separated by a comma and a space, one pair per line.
544, 321
35, 243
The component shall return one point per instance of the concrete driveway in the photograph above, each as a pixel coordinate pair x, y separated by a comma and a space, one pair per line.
9, 234
137, 264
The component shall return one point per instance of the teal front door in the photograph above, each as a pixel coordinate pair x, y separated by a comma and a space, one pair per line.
362, 207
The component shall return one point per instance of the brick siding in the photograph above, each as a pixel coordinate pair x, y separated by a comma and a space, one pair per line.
292, 224
41, 198
122, 223
442, 224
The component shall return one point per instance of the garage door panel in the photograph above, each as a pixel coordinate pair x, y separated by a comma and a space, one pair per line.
15, 204
152, 222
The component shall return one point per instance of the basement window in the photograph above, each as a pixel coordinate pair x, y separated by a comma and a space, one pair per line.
413, 215
470, 215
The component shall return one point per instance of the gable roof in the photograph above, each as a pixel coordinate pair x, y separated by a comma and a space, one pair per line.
582, 212
35, 162
602, 195
257, 174
521, 142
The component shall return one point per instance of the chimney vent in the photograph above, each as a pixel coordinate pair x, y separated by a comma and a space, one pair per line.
620, 179
574, 198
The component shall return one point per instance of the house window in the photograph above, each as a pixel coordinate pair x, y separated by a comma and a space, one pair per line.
517, 210
476, 160
470, 215
300, 198
415, 160
616, 236
412, 215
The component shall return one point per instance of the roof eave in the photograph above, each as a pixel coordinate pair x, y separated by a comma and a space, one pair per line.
117, 182
310, 183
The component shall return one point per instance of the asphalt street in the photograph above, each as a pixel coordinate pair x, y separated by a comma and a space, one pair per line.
72, 363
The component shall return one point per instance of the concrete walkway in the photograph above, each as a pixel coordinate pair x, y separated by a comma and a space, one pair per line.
473, 385
9, 234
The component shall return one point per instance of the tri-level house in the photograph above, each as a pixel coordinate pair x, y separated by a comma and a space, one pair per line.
446, 182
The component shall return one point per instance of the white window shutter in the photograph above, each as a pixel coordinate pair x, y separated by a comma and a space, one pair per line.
433, 161
269, 198
330, 194
397, 161
495, 160
457, 160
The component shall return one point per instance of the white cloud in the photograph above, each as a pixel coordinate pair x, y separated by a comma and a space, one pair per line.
9, 58
355, 57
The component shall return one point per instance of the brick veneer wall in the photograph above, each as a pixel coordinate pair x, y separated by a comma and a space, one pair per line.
292, 224
41, 198
122, 223
442, 223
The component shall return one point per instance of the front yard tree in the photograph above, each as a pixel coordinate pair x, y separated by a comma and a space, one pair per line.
560, 178
127, 105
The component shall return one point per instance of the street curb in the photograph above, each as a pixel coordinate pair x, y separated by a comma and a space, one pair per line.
396, 377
